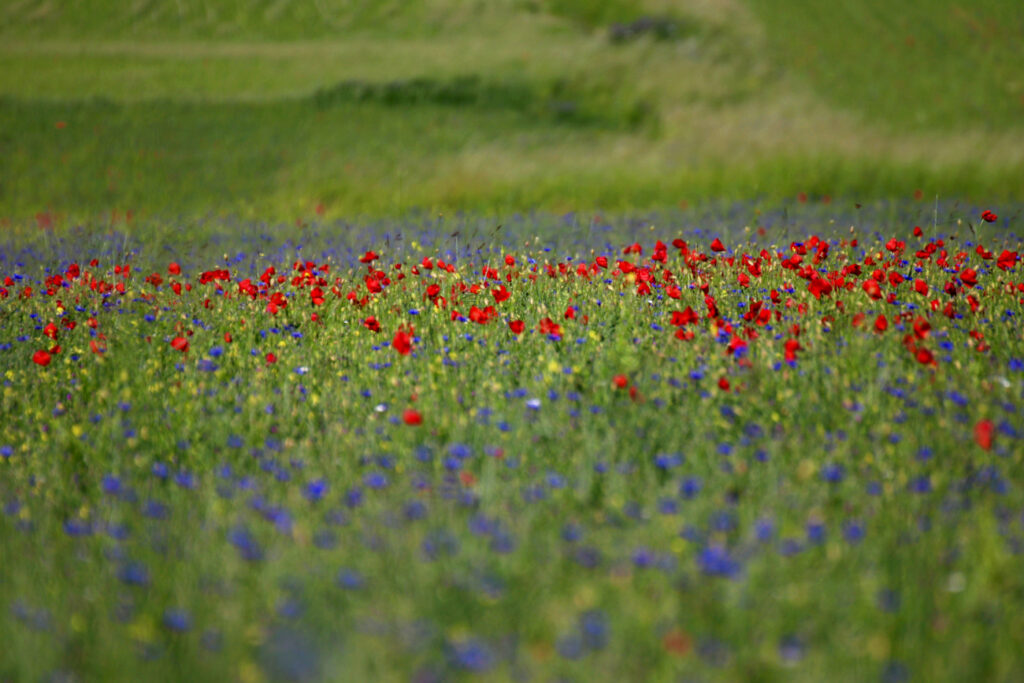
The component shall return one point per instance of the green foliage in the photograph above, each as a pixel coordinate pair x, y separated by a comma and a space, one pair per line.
595, 14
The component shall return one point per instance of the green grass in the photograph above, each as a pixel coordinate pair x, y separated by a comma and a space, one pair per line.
938, 63
260, 110
283, 159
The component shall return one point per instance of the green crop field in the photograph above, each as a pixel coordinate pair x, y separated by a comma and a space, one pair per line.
366, 108
521, 340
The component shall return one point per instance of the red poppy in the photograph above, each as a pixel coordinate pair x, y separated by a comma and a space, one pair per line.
677, 642
717, 245
620, 381
482, 315
881, 324
791, 347
684, 317
368, 257
921, 327
271, 358
984, 430
412, 417
174, 269
549, 326
500, 294
179, 344
723, 384
570, 313
517, 326
872, 289
1007, 260
402, 341
373, 285
41, 358
371, 324
50, 331
709, 301
988, 216
510, 260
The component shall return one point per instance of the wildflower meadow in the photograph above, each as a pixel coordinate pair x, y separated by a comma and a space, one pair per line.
511, 340
723, 445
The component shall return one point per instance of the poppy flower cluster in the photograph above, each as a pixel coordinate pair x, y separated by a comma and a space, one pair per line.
398, 447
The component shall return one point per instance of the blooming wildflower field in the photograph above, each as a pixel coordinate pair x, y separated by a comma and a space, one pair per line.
778, 445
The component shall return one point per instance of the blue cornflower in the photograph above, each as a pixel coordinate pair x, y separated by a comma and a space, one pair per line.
177, 620
248, 547
315, 490
375, 480
415, 510
111, 485
833, 473
791, 649
134, 574
922, 484
185, 479
76, 527
853, 531
643, 558
471, 655
815, 532
594, 629
714, 560
690, 487
666, 461
354, 497
570, 646
351, 579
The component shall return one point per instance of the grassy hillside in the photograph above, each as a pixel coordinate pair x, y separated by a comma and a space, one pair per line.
279, 108
937, 63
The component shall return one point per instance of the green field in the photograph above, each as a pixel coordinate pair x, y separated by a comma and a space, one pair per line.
521, 340
274, 109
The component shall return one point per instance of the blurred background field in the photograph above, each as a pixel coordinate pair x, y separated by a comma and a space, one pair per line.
287, 110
